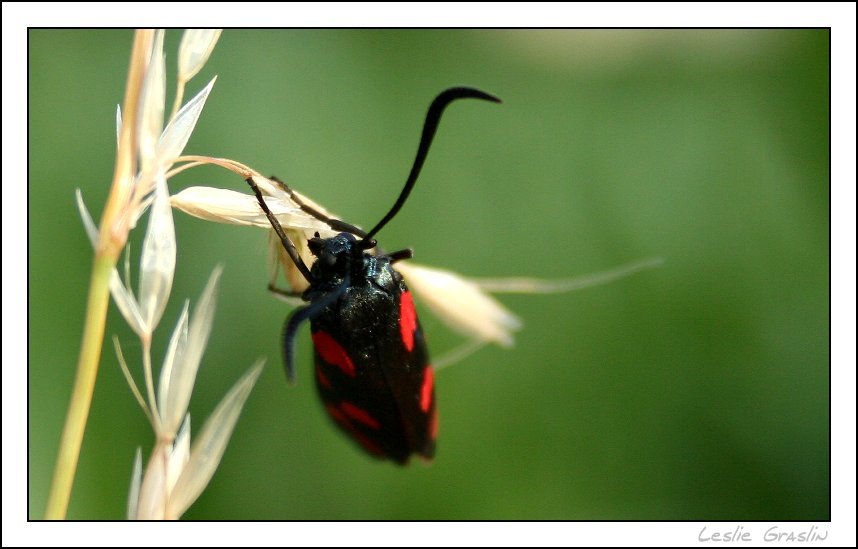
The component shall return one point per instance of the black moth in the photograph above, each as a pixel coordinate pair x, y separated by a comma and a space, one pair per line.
372, 367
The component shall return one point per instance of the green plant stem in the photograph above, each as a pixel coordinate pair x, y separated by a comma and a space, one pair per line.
84, 385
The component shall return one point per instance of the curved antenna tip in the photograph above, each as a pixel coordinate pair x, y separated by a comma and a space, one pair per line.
462, 92
429, 127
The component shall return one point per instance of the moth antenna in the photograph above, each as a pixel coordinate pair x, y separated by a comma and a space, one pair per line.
284, 239
433, 117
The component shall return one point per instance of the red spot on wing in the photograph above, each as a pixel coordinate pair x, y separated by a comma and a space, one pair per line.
407, 320
360, 415
341, 418
333, 353
323, 380
368, 444
338, 416
426, 389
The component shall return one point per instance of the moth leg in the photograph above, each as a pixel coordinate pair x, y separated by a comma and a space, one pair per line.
293, 322
399, 255
284, 293
290, 332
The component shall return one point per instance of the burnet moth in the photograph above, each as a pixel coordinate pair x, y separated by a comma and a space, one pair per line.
372, 368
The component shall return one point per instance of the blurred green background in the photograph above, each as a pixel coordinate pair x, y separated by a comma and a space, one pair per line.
698, 390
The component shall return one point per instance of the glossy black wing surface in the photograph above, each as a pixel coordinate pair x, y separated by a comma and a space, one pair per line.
372, 368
